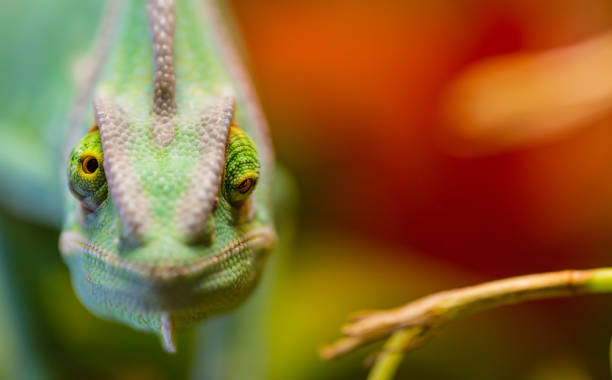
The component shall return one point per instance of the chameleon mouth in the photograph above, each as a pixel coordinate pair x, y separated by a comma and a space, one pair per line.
260, 238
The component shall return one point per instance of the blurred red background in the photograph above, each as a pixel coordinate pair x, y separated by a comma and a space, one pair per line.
352, 92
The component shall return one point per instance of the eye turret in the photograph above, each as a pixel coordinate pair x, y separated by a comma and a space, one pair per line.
241, 167
86, 178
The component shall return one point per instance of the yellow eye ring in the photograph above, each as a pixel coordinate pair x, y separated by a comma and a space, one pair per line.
242, 188
90, 165
245, 186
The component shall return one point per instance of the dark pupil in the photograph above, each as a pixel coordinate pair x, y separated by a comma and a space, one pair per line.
244, 186
91, 165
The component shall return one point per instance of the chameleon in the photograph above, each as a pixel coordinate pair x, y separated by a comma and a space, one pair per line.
168, 212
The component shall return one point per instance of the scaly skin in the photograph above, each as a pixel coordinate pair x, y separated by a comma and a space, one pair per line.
168, 219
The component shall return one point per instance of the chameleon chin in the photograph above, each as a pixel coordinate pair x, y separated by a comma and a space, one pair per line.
168, 216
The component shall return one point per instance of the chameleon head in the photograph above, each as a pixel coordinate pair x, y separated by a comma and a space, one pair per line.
168, 222
163, 232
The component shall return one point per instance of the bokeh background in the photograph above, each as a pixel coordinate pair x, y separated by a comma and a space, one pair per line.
398, 187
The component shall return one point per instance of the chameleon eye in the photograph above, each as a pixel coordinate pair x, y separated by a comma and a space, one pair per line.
245, 186
242, 187
86, 179
241, 167
90, 165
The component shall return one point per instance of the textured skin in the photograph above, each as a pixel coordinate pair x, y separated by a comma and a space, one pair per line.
184, 228
161, 23
121, 174
242, 165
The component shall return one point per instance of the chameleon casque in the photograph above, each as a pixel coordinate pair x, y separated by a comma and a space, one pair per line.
168, 214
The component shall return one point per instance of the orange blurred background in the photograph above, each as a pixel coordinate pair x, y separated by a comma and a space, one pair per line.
352, 91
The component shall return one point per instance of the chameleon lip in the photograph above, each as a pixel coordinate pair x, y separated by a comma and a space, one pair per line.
73, 242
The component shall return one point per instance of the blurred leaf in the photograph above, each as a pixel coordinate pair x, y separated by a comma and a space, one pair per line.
560, 368
523, 99
39, 40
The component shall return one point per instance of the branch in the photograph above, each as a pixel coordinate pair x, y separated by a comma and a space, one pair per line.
389, 359
420, 319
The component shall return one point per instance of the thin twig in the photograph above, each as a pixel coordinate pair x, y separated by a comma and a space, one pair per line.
387, 361
429, 314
